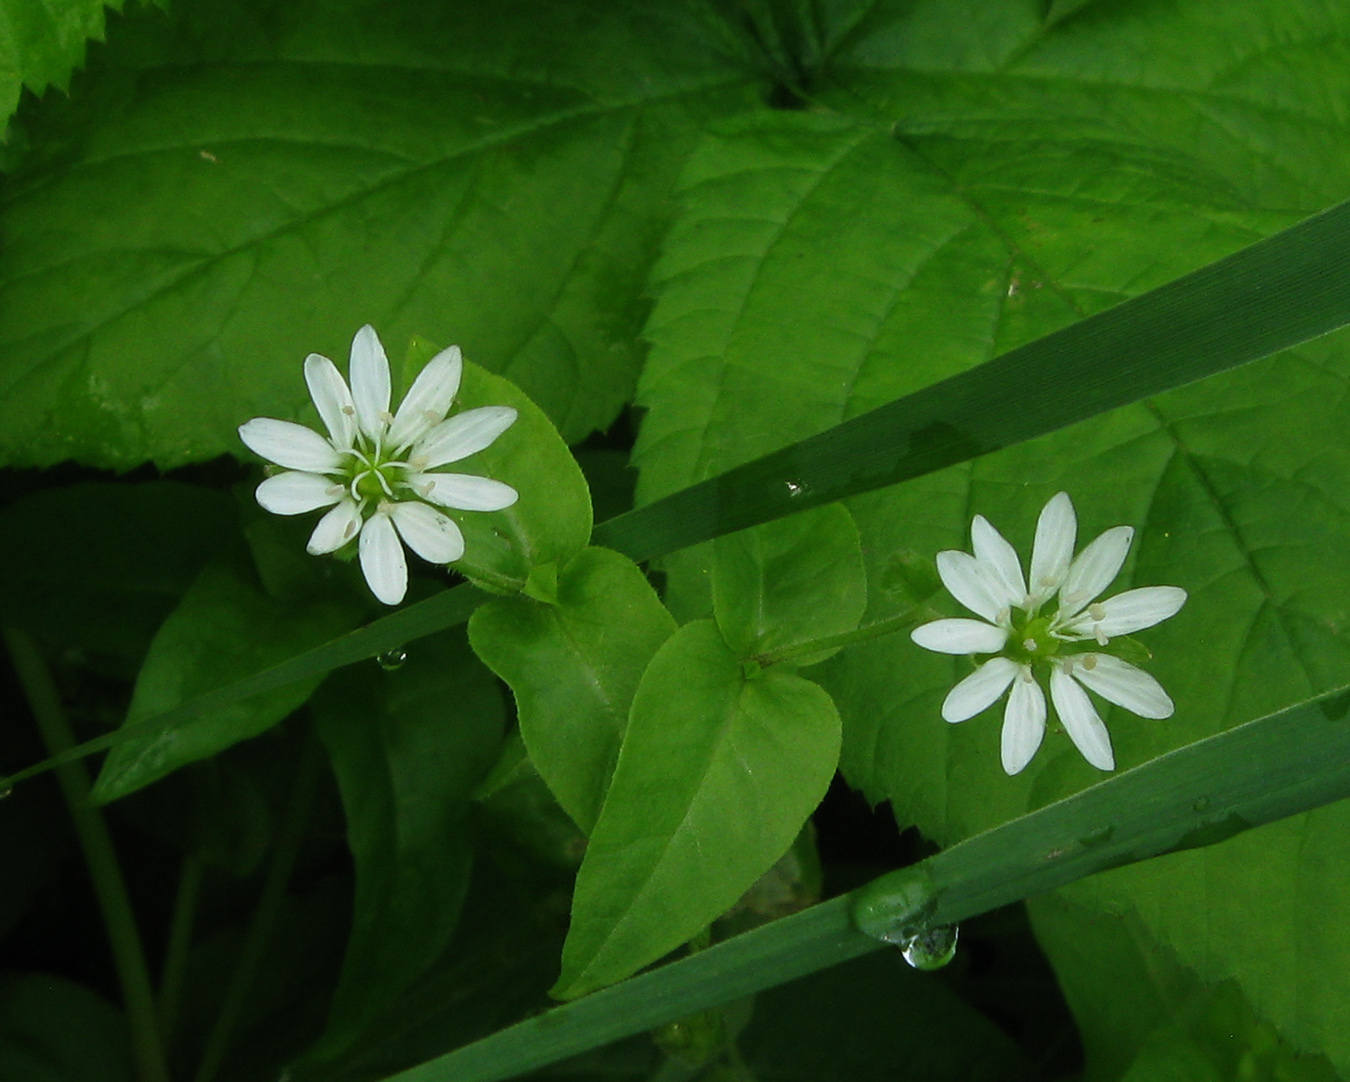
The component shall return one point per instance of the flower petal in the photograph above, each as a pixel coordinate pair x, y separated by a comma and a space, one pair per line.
1121, 683
1052, 551
1093, 570
289, 444
332, 399
980, 689
428, 399
463, 491
382, 559
464, 434
370, 383
1127, 613
1023, 722
295, 493
999, 559
959, 637
970, 583
427, 532
335, 529
1080, 719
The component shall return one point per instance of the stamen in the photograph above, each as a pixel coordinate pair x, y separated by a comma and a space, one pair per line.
1003, 617
1025, 674
1089, 661
349, 532
431, 415
1099, 635
1066, 664
334, 490
1097, 612
385, 507
418, 463
350, 411
427, 489
1029, 645
386, 417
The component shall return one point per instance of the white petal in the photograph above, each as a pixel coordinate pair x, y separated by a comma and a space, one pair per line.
1129, 612
1023, 722
289, 444
1094, 569
1000, 560
980, 689
370, 382
295, 493
428, 399
382, 559
332, 399
1121, 683
1080, 719
428, 532
464, 434
959, 637
335, 529
463, 492
1052, 551
970, 583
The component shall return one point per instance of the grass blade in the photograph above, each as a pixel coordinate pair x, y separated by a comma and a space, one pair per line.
1276, 766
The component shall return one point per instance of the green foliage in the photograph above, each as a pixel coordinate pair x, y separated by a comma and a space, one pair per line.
42, 42
717, 773
441, 169
789, 582
407, 747
226, 627
574, 665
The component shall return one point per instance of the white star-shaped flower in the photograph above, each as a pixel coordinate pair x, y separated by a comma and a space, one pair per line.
1025, 641
380, 472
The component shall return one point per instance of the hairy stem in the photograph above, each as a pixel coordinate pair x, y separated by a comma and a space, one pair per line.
110, 887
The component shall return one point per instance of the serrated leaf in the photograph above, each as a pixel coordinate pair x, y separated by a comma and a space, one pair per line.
716, 776
224, 628
996, 179
407, 747
42, 41
573, 667
242, 184
789, 582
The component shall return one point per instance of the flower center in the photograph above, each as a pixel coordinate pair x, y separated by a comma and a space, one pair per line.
371, 477
1032, 640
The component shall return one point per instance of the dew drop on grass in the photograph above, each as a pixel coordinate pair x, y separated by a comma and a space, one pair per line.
931, 948
392, 660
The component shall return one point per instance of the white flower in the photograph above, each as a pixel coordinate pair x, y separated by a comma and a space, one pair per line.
379, 472
1023, 640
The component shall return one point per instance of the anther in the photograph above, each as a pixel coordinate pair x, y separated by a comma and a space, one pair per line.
1029, 645
1097, 611
350, 411
1089, 661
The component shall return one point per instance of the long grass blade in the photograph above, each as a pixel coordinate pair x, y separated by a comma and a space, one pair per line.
1206, 792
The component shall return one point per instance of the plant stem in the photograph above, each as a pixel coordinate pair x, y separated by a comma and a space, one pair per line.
180, 941
888, 626
110, 887
265, 915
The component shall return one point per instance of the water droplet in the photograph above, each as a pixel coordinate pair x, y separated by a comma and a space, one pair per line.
1201, 803
931, 948
795, 488
392, 660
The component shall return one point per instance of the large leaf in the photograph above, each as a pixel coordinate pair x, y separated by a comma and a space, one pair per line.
226, 627
244, 183
996, 178
39, 1013
573, 665
407, 747
716, 775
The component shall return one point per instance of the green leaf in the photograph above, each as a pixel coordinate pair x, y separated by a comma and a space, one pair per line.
789, 582
102, 565
241, 184
42, 41
573, 667
40, 1013
226, 627
551, 522
407, 747
716, 776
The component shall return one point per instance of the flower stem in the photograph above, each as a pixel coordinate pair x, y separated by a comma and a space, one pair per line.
888, 626
110, 887
269, 906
